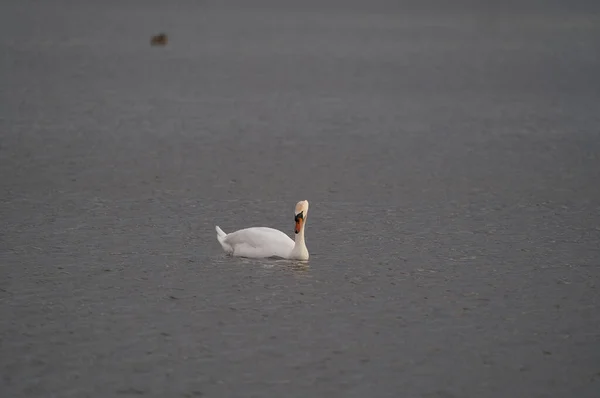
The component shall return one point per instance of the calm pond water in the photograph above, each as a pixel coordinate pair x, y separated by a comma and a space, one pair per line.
450, 157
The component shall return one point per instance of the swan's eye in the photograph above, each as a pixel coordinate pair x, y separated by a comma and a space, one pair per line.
299, 217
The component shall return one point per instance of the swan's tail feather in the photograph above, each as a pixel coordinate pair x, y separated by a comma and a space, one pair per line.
221, 238
220, 233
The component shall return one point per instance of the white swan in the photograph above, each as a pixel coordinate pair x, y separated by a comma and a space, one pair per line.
262, 242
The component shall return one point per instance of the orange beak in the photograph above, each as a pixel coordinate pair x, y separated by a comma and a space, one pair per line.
299, 222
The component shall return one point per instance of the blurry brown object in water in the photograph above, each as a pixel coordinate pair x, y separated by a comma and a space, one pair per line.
159, 40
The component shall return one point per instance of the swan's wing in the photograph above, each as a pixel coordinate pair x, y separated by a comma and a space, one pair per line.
258, 236
259, 242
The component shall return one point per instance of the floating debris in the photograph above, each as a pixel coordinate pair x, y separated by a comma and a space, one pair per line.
159, 40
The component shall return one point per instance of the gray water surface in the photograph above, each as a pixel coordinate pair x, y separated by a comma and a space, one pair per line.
450, 156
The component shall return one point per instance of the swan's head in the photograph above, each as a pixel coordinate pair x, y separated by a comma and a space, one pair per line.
301, 212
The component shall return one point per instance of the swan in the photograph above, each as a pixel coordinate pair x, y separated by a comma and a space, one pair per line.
263, 242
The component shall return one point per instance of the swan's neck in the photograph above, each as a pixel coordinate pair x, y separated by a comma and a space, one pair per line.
299, 238
300, 252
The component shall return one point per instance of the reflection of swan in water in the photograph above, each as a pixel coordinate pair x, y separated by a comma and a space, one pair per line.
298, 268
262, 242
